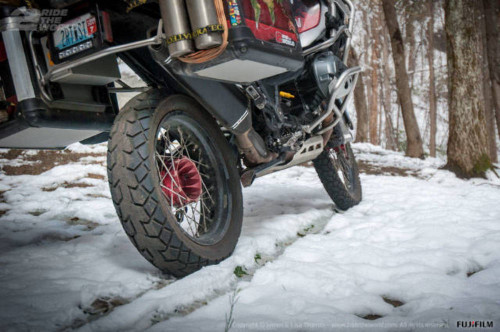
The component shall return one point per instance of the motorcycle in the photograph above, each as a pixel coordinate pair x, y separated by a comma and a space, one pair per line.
236, 89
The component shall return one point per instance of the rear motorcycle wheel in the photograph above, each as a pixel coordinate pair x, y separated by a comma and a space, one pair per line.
174, 183
338, 171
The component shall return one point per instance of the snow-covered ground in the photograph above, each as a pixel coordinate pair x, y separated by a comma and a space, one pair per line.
421, 251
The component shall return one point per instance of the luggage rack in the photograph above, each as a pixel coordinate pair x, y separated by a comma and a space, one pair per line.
62, 69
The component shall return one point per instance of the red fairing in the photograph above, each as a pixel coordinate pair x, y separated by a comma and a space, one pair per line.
307, 14
270, 33
270, 20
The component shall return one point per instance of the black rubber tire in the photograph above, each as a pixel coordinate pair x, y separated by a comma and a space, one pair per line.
136, 192
343, 198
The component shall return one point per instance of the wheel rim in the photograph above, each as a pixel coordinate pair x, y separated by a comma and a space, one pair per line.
339, 157
191, 181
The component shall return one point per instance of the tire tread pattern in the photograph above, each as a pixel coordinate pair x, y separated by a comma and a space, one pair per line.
332, 183
132, 190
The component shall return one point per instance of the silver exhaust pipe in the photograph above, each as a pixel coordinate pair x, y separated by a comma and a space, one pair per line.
204, 23
18, 64
177, 30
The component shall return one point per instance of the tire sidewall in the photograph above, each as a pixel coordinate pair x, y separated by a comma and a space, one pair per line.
355, 193
338, 192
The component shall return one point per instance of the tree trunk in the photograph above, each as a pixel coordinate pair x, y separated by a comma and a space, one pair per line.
414, 139
398, 120
488, 96
374, 94
432, 87
467, 141
367, 80
492, 20
374, 64
359, 101
410, 40
389, 128
386, 90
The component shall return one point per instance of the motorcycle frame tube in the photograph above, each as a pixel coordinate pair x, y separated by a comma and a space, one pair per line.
351, 27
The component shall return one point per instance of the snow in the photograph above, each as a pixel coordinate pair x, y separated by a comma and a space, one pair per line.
430, 241
130, 78
378, 156
410, 240
80, 148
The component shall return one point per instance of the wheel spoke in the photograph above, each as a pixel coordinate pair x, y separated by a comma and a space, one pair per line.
168, 171
178, 144
342, 166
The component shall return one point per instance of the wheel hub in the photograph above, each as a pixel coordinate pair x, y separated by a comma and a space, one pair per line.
181, 182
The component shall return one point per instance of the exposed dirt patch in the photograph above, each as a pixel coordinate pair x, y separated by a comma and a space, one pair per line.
37, 213
76, 185
394, 303
95, 176
163, 283
11, 154
371, 169
45, 160
2, 212
471, 273
99, 308
104, 305
371, 317
367, 168
97, 196
57, 237
77, 221
2, 198
67, 185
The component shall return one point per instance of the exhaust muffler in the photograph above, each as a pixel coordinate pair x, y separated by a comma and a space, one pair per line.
204, 23
177, 30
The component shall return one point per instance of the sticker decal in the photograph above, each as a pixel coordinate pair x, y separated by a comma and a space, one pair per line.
91, 26
234, 13
284, 39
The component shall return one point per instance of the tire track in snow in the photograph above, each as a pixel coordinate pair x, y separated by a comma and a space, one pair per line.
316, 227
273, 220
152, 307
104, 306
